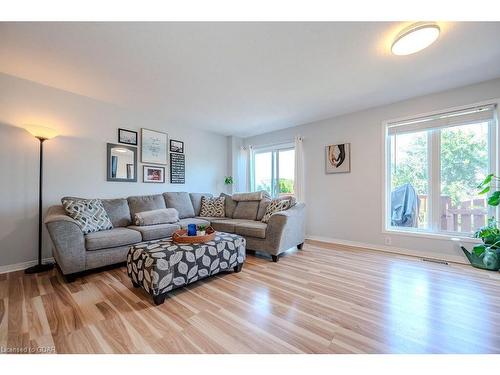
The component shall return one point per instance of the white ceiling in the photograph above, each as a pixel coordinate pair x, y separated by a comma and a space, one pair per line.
245, 78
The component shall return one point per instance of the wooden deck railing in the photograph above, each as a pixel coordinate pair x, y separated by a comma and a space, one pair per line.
465, 217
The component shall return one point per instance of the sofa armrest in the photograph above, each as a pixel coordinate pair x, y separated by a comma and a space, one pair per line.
286, 229
68, 239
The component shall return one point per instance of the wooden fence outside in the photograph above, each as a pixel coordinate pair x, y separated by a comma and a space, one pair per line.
465, 217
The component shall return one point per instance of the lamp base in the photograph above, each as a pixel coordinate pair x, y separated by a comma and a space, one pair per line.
39, 268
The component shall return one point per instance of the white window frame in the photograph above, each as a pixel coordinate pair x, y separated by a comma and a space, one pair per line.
434, 167
275, 162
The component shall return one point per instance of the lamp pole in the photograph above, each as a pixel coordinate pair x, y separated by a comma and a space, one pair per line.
48, 266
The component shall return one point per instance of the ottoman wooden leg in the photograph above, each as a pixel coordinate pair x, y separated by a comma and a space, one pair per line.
275, 258
238, 268
159, 299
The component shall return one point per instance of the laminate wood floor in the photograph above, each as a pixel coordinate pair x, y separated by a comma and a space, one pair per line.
323, 299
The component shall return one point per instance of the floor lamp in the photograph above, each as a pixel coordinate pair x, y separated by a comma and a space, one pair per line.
42, 134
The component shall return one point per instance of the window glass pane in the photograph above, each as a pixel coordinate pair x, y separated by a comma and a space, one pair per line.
263, 171
409, 205
286, 171
464, 164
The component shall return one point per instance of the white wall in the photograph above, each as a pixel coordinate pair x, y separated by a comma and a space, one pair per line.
348, 207
75, 162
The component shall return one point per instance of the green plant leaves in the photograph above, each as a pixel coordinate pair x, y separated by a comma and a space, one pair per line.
485, 190
479, 249
494, 199
486, 181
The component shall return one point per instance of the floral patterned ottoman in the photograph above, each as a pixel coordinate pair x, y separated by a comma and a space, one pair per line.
162, 265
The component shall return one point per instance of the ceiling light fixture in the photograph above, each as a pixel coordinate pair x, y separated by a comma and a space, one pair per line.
415, 38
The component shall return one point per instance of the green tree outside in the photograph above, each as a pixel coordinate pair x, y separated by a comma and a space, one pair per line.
285, 186
464, 163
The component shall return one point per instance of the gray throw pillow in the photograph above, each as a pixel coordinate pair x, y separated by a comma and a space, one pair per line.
212, 207
88, 213
161, 216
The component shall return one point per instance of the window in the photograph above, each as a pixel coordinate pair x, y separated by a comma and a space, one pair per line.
273, 169
433, 165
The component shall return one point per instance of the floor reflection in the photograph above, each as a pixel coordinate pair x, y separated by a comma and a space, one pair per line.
431, 313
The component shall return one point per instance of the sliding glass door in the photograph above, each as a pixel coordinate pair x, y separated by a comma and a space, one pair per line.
273, 170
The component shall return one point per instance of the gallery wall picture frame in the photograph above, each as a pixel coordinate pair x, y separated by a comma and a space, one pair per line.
176, 146
121, 163
127, 137
153, 174
338, 158
153, 147
177, 168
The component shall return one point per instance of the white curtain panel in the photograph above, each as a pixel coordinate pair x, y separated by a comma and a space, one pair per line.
299, 180
242, 182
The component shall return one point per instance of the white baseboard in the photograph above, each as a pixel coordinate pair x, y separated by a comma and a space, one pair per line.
23, 265
390, 249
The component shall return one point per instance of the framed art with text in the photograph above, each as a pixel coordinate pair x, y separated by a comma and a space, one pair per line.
177, 168
153, 146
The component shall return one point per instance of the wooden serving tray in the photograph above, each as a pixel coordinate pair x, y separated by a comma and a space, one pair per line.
180, 236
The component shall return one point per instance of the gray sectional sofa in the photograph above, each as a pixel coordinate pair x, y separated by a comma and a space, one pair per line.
75, 252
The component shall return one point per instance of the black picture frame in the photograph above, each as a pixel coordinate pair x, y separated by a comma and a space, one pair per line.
144, 174
120, 134
176, 148
177, 168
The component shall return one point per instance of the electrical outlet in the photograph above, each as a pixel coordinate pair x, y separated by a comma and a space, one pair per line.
388, 240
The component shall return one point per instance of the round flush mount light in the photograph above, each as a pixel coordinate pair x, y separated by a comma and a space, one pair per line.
415, 38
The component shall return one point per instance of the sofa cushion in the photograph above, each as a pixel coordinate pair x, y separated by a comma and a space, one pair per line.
153, 217
251, 229
251, 196
118, 211
211, 218
246, 210
212, 207
111, 238
145, 203
196, 201
89, 214
181, 202
229, 204
263, 205
227, 225
154, 232
192, 220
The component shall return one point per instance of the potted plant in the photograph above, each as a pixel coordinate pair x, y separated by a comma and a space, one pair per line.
487, 254
201, 230
228, 180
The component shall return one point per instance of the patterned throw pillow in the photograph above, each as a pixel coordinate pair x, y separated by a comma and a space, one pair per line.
212, 207
276, 205
88, 213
